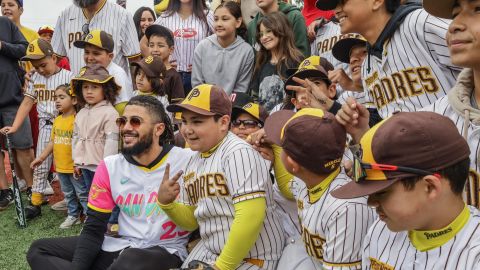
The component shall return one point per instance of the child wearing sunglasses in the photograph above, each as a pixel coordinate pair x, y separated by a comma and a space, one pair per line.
95, 133
247, 119
60, 145
413, 167
312, 145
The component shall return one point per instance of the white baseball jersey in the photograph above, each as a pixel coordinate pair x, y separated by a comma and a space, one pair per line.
388, 250
133, 188
332, 229
111, 18
415, 68
325, 39
233, 173
443, 107
42, 89
123, 80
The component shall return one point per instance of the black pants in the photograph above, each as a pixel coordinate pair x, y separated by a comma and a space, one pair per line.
57, 253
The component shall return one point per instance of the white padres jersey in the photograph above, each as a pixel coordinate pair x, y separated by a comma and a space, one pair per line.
332, 229
415, 68
388, 250
42, 90
233, 173
122, 80
111, 18
358, 96
325, 39
443, 107
142, 223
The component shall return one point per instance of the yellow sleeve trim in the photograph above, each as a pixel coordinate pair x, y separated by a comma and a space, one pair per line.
99, 209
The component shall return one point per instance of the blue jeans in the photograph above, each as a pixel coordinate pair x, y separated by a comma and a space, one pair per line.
73, 189
87, 176
187, 81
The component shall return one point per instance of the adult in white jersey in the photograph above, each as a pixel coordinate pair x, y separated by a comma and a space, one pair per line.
414, 166
148, 239
332, 229
408, 66
461, 104
226, 191
76, 21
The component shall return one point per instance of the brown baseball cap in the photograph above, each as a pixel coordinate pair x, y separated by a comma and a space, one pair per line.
312, 67
152, 66
205, 99
92, 73
440, 8
424, 141
38, 49
342, 49
257, 111
97, 38
311, 137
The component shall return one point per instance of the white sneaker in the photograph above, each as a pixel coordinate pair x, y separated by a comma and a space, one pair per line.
48, 190
60, 206
69, 222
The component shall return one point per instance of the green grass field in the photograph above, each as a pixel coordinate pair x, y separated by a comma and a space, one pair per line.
14, 242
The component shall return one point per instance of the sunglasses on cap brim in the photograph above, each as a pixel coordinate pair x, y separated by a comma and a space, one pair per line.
360, 173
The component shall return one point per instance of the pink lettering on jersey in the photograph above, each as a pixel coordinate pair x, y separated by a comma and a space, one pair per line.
134, 205
169, 227
185, 33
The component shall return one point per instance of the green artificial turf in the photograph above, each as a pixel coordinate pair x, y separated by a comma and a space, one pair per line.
14, 242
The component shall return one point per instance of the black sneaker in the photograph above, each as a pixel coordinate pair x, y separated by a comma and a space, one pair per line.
32, 211
29, 193
6, 198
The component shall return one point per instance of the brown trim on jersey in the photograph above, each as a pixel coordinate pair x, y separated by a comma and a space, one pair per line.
96, 12
345, 264
249, 194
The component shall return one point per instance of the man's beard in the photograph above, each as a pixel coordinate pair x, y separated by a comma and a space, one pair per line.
84, 3
140, 147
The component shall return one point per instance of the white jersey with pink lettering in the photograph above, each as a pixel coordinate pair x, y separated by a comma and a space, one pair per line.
414, 69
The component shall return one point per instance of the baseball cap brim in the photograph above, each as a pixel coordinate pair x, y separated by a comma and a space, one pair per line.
342, 49
365, 188
187, 107
326, 4
82, 43
33, 57
439, 8
275, 123
305, 74
144, 67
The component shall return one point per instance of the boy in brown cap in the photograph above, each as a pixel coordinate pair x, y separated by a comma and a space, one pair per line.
226, 189
413, 166
41, 90
332, 229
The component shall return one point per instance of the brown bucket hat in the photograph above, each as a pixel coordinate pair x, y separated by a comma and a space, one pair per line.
152, 66
38, 49
311, 137
205, 99
92, 73
404, 145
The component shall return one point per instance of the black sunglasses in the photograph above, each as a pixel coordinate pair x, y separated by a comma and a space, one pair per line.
360, 173
246, 123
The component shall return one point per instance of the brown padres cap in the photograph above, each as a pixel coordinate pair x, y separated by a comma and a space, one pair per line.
205, 99
38, 49
152, 66
97, 38
440, 8
422, 140
311, 137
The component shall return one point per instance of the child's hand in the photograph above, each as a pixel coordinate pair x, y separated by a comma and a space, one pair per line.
77, 172
8, 130
35, 163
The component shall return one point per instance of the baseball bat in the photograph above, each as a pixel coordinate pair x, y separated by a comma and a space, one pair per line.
20, 211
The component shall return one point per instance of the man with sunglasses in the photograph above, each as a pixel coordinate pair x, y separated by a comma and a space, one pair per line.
414, 166
147, 238
76, 22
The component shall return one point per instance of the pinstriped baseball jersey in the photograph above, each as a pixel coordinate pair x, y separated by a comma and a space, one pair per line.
111, 18
415, 68
133, 189
326, 37
233, 173
443, 107
42, 89
387, 250
332, 229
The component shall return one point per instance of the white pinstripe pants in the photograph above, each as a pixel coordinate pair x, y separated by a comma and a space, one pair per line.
40, 173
